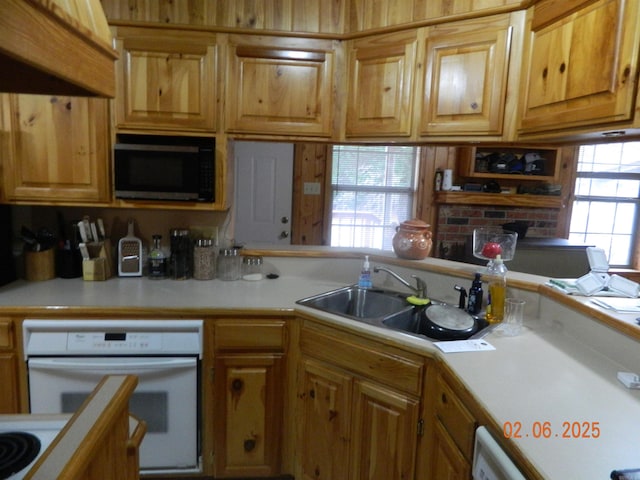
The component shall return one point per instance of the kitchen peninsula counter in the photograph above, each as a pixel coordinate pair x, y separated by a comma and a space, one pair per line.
562, 370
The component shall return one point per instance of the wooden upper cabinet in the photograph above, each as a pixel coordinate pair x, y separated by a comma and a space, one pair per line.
57, 149
166, 79
280, 86
581, 67
466, 75
381, 85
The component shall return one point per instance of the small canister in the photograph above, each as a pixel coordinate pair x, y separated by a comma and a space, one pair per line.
204, 259
229, 264
252, 268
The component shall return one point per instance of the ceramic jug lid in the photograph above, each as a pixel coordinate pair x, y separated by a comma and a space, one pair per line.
415, 224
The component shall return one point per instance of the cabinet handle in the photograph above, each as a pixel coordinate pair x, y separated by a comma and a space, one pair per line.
312, 393
236, 385
563, 67
443, 398
249, 445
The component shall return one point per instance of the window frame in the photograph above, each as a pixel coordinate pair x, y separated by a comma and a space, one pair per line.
412, 191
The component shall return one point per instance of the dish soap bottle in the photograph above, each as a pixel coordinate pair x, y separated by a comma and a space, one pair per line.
474, 302
365, 274
497, 291
157, 260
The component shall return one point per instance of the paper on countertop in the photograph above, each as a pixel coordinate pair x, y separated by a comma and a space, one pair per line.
630, 305
456, 346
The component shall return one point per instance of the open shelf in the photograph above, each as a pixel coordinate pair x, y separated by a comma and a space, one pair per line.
502, 199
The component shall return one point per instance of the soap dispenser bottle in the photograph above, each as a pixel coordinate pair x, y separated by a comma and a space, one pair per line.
474, 302
365, 274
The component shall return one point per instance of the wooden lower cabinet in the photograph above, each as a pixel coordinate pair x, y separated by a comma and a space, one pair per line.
249, 414
9, 368
451, 433
249, 388
355, 425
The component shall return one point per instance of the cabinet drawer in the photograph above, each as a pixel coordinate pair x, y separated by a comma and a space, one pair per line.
456, 419
385, 364
270, 335
6, 333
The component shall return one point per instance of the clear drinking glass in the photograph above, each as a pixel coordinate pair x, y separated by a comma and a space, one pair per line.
513, 317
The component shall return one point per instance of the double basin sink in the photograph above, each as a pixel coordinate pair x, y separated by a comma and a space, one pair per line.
374, 306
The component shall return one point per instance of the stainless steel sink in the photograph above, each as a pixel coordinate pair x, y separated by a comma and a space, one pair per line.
365, 304
379, 307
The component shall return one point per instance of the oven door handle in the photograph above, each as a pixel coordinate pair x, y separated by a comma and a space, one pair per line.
112, 364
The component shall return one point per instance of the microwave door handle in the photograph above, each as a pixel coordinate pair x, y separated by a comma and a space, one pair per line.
114, 364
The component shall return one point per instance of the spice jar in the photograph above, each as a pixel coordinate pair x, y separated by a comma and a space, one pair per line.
229, 265
252, 268
204, 259
412, 240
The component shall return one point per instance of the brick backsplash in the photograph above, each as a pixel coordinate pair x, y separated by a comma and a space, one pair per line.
457, 222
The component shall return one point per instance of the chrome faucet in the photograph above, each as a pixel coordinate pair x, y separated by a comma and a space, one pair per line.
420, 289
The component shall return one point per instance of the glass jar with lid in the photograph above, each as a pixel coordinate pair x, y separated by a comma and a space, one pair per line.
181, 254
252, 267
204, 259
229, 264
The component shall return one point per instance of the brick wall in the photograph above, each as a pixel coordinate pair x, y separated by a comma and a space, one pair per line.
456, 223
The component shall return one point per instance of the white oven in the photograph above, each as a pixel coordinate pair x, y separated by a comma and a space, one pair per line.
67, 358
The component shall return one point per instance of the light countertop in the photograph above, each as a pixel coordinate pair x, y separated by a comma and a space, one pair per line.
555, 372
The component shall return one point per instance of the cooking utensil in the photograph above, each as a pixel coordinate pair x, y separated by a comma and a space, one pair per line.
130, 254
446, 322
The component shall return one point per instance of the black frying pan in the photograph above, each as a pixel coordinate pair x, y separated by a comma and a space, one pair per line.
446, 322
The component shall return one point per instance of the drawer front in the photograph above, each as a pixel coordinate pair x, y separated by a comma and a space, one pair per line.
454, 416
385, 364
268, 335
6, 333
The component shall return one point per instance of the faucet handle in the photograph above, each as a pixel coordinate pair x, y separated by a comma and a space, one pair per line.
421, 286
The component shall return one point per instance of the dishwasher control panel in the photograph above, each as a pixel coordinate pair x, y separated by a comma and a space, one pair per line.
114, 341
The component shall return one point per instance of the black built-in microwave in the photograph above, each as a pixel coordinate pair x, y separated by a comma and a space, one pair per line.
163, 167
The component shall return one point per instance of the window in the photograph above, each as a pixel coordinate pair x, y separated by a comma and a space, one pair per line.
607, 190
372, 193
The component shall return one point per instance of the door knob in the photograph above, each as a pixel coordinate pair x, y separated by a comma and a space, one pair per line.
284, 234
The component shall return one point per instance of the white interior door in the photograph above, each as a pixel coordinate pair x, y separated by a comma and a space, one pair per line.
264, 186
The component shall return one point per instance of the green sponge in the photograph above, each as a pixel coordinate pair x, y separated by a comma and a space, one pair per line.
413, 300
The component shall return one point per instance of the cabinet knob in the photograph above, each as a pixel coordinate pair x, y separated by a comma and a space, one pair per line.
236, 385
249, 445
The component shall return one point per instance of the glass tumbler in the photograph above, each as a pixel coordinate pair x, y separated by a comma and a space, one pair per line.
513, 317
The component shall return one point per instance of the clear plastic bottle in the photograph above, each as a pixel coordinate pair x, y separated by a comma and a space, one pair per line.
497, 291
157, 260
364, 280
474, 303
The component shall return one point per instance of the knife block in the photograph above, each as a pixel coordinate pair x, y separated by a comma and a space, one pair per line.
99, 266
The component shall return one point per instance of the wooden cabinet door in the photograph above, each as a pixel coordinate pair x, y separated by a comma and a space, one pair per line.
384, 433
58, 151
166, 79
280, 86
447, 461
323, 437
582, 68
381, 71
249, 391
467, 65
10, 399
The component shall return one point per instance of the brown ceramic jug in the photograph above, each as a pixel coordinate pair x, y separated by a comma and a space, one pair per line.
412, 240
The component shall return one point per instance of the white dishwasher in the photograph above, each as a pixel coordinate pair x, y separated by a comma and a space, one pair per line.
490, 462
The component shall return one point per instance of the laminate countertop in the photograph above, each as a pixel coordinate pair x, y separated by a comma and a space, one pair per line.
554, 386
